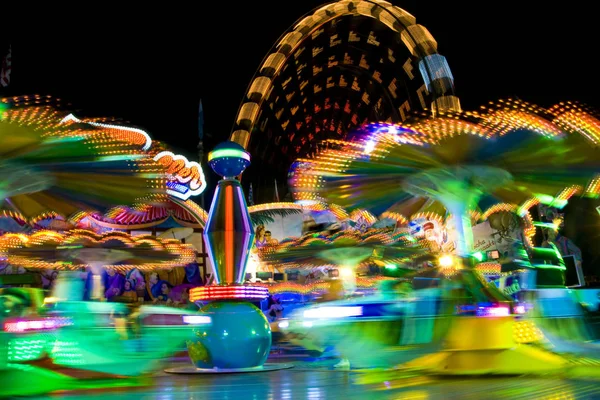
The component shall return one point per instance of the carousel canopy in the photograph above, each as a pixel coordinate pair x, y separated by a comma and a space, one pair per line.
512, 152
79, 249
348, 248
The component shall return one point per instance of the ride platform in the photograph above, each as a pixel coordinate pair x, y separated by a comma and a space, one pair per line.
319, 380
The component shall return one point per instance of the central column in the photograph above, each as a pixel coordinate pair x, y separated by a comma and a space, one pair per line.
229, 233
238, 336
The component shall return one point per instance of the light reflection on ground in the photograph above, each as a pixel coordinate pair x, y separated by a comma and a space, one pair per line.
316, 380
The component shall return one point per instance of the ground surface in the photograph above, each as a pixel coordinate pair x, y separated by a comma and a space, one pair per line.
316, 379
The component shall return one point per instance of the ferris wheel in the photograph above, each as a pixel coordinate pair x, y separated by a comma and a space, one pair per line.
340, 66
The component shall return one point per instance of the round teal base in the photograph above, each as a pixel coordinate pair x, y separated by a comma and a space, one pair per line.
239, 336
263, 368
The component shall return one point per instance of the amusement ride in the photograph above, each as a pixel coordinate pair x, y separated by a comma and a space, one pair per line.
409, 246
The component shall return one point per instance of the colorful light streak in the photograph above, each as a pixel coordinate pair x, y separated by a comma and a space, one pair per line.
321, 286
231, 292
197, 319
577, 119
146, 140
274, 206
233, 153
97, 164
31, 251
35, 324
330, 312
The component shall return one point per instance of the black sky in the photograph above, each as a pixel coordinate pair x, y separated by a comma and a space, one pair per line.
152, 70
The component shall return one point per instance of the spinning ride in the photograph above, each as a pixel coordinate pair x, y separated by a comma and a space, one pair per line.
361, 328
346, 251
513, 152
53, 165
510, 153
86, 343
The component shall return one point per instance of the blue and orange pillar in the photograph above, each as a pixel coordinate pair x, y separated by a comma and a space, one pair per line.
239, 335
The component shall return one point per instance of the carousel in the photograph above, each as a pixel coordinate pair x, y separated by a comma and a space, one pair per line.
509, 156
59, 168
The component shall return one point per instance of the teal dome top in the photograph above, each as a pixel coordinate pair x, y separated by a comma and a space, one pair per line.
228, 159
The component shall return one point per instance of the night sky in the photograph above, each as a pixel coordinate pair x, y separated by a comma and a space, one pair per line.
151, 70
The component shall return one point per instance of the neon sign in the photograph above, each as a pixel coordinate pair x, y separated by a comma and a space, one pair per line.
186, 178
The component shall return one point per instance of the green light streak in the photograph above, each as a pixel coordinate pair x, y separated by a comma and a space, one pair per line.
122, 157
549, 266
3, 109
221, 153
478, 256
551, 201
545, 225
